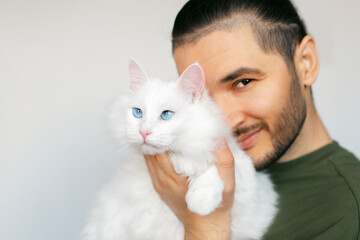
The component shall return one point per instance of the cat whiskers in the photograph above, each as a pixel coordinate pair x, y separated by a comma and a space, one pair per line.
128, 137
124, 142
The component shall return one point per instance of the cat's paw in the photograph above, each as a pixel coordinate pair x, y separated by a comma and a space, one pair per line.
203, 203
205, 193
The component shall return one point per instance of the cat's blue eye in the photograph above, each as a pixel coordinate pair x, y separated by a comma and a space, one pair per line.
167, 115
137, 113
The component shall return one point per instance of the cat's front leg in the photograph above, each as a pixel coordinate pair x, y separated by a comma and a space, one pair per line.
205, 192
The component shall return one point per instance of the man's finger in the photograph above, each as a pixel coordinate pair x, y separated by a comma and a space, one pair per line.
161, 161
225, 164
160, 165
150, 164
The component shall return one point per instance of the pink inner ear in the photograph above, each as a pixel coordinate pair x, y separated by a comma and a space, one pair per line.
137, 75
192, 81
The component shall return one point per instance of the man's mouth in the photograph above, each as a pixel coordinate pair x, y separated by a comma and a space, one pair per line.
247, 140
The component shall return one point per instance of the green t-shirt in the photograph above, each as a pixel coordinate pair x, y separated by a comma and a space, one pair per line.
319, 196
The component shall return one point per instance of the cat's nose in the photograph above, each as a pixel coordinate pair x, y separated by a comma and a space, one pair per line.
145, 133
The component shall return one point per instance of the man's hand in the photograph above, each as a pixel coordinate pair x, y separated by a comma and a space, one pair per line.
172, 189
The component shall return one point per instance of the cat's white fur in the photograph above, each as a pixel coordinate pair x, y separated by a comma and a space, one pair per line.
129, 208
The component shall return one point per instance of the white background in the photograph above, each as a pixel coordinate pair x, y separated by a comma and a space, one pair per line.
63, 62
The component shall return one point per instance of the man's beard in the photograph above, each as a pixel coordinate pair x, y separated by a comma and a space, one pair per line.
285, 129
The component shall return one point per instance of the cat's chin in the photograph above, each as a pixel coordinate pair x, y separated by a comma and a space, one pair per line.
150, 149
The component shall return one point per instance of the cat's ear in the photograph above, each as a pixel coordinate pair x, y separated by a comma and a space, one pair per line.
192, 81
137, 75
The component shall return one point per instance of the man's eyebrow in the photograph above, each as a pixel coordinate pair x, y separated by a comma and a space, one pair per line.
239, 72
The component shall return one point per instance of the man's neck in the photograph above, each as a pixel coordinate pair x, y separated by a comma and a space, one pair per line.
312, 136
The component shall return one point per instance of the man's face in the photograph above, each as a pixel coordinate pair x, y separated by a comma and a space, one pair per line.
261, 99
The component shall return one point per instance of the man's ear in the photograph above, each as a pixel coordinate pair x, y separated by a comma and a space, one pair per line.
307, 61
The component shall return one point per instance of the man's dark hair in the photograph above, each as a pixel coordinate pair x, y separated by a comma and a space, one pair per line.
276, 24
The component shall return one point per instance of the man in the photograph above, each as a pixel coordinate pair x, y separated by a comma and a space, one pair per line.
259, 65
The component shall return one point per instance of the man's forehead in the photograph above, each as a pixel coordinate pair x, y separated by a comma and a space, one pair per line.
219, 45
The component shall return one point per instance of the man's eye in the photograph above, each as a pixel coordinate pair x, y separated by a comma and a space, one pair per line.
243, 83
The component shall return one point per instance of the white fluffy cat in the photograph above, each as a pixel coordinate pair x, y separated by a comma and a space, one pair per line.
181, 119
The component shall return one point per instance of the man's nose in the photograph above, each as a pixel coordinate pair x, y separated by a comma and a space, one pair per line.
236, 118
